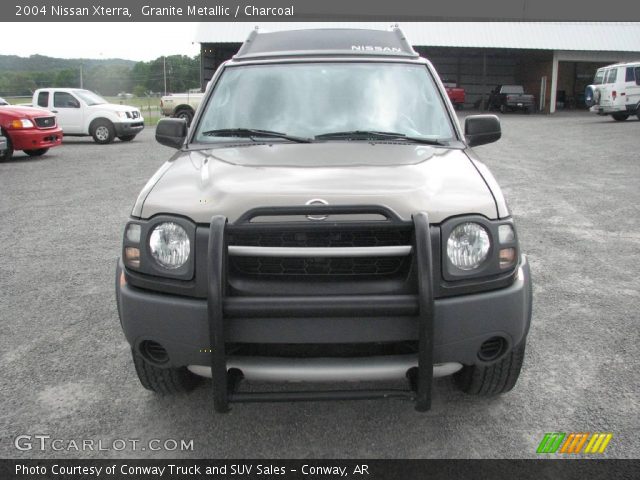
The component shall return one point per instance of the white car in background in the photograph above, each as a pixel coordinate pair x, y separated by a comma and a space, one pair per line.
82, 113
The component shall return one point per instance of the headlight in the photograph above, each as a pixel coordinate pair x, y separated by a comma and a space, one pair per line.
468, 245
169, 245
121, 114
21, 123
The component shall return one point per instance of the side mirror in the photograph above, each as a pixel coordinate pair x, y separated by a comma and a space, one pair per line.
171, 132
481, 129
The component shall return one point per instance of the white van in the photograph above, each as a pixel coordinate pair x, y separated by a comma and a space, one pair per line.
615, 91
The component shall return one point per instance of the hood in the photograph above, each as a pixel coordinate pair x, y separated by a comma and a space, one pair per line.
406, 178
24, 112
114, 107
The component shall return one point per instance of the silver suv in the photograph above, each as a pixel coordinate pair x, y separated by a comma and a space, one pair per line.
324, 220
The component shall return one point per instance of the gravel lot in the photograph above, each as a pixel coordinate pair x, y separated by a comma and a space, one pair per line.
572, 181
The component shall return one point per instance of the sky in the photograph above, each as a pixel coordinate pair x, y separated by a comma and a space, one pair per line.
131, 41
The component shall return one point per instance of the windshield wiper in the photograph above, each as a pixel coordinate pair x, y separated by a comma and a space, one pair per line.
369, 134
252, 132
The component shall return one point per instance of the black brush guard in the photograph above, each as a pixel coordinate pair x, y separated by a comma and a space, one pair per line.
225, 383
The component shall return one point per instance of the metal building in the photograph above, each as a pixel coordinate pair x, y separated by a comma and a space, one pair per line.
553, 60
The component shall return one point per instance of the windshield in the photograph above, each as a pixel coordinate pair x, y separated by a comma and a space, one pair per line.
514, 89
599, 78
309, 100
90, 98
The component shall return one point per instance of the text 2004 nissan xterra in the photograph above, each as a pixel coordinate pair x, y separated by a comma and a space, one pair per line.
324, 220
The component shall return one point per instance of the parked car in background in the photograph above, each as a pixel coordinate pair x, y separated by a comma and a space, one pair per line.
456, 94
181, 105
82, 112
32, 130
615, 91
511, 97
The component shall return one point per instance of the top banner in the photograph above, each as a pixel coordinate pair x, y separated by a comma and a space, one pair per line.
315, 10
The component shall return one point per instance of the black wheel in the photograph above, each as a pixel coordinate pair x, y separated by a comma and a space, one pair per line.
164, 381
6, 154
127, 138
36, 153
103, 132
494, 379
620, 117
186, 114
503, 109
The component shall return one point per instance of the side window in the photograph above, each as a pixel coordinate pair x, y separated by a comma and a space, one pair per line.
65, 100
637, 69
629, 75
612, 75
43, 99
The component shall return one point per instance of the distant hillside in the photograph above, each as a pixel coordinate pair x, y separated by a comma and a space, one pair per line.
20, 77
40, 63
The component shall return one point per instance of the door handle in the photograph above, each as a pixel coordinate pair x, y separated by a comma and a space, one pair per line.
54, 111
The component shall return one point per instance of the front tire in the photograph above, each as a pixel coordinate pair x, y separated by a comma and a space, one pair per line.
620, 117
6, 155
493, 379
103, 132
36, 153
165, 381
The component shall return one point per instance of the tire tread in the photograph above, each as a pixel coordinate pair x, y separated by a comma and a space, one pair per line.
494, 379
164, 381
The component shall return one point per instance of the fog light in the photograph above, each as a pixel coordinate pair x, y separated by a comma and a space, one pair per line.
507, 257
132, 257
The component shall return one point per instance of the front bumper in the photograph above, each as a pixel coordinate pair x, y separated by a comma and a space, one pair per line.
321, 335
35, 139
461, 323
124, 129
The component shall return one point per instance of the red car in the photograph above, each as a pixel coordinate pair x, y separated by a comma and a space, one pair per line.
456, 94
31, 130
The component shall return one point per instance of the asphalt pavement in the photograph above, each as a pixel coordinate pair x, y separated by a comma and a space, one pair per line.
573, 184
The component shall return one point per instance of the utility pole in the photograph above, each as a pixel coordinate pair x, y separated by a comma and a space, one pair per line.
164, 69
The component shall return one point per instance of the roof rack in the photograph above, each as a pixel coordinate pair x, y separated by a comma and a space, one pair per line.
326, 41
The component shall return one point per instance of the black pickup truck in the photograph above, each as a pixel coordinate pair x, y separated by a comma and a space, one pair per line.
510, 97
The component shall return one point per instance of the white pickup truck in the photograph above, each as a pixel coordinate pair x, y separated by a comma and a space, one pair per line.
82, 113
181, 105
